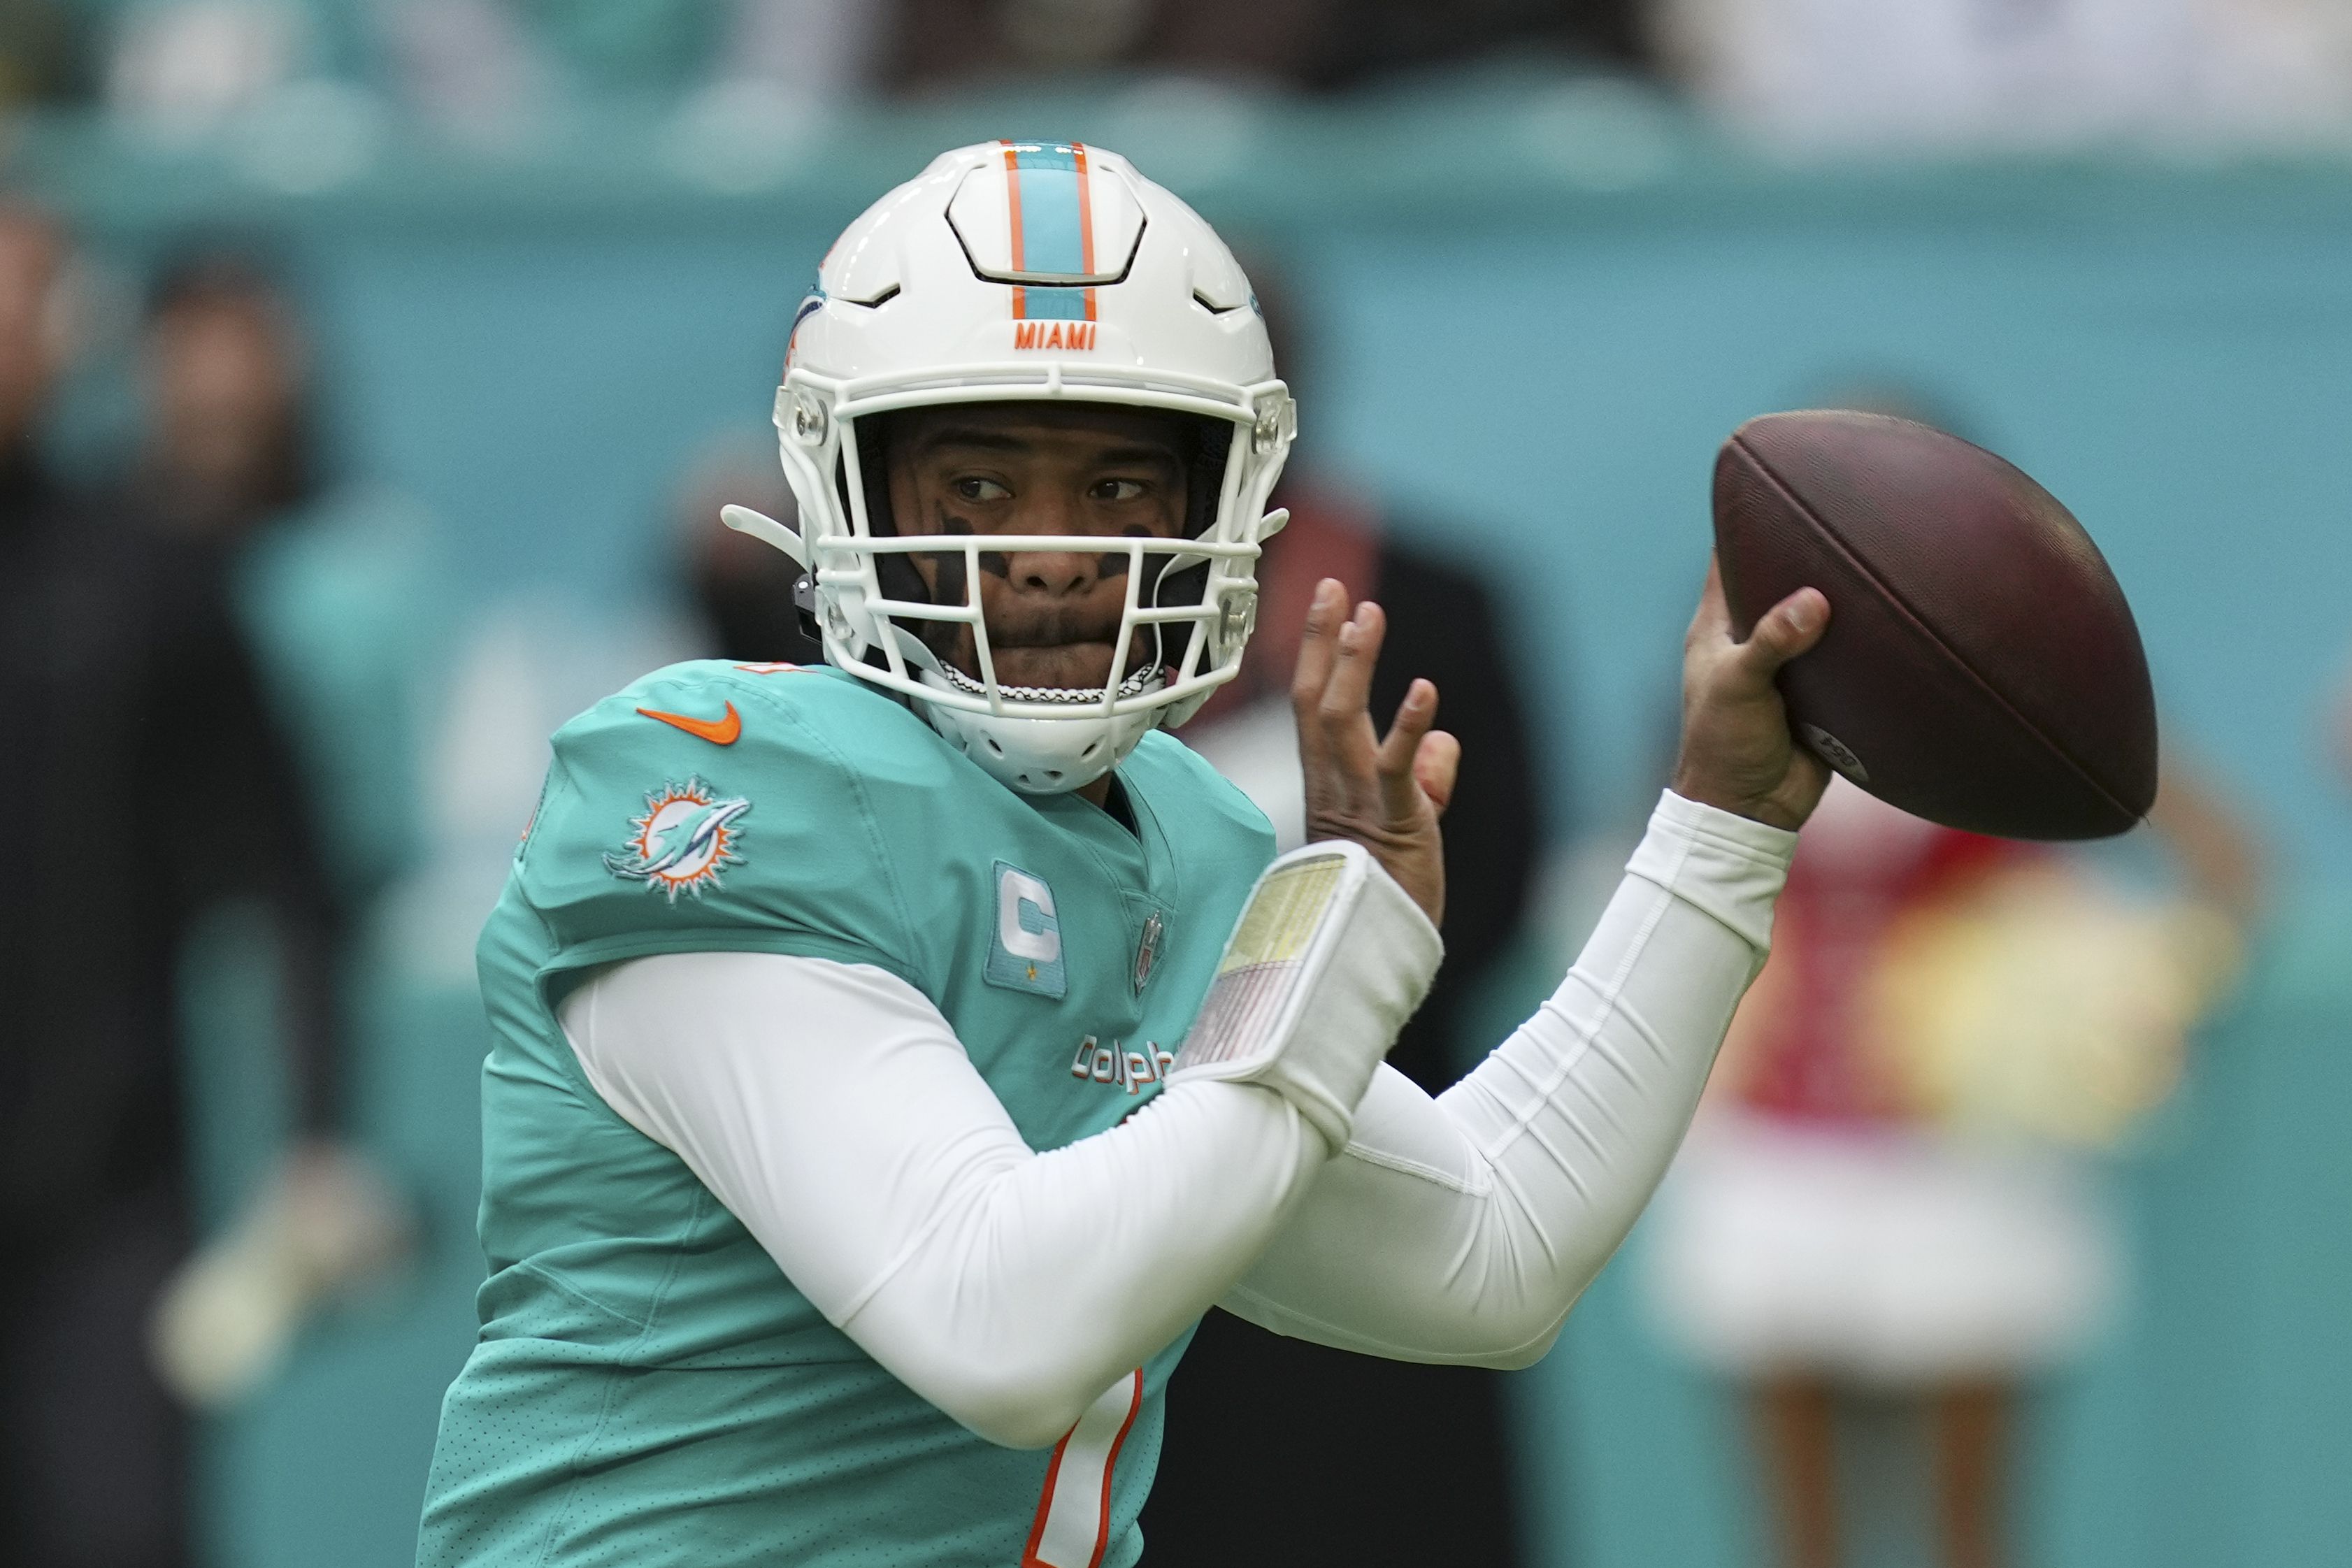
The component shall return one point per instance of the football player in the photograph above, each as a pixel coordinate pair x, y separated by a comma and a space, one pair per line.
893, 1059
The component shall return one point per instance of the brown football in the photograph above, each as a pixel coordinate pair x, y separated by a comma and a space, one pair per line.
1981, 668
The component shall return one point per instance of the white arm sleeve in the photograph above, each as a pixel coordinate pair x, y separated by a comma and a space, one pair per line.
830, 1107
1463, 1229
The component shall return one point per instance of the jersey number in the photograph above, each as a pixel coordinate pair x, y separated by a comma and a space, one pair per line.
1073, 1524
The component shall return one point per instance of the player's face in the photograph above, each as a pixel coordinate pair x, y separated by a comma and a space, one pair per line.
1085, 471
29, 258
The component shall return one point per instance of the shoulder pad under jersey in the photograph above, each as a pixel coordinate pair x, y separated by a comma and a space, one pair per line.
716, 806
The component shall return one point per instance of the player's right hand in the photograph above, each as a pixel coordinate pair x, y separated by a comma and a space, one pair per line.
1738, 754
1385, 794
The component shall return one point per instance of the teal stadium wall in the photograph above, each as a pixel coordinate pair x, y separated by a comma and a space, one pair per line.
1540, 306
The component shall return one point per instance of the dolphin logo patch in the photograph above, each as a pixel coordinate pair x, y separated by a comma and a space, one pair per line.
687, 837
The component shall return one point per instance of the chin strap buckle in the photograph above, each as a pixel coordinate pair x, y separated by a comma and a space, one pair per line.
768, 531
804, 602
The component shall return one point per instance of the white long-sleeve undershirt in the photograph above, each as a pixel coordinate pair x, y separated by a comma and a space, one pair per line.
830, 1107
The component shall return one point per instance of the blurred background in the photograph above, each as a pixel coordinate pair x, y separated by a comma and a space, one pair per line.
375, 369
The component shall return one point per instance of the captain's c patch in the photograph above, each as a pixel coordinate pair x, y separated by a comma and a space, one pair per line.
1026, 954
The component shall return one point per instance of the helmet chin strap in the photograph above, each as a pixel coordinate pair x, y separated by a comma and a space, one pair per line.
936, 672
1051, 755
917, 652
1143, 679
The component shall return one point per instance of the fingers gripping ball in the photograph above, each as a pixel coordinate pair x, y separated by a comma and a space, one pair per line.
1329, 958
1981, 668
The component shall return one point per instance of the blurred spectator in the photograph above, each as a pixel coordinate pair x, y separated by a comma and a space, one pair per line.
41, 45
1409, 1463
330, 578
740, 591
485, 70
1296, 43
494, 70
149, 784
657, 49
626, 46
326, 583
466, 67
184, 65
1859, 72
811, 49
1887, 1199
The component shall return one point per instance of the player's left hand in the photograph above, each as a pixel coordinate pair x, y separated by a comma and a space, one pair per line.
1386, 794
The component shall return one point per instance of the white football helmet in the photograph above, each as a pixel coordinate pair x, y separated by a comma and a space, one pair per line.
1019, 270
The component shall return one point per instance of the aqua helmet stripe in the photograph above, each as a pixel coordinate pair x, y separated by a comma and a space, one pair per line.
1052, 221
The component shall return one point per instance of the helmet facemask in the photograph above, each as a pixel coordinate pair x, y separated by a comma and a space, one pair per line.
1185, 603
1158, 649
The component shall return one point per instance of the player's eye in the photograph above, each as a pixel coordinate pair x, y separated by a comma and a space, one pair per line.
1118, 490
973, 488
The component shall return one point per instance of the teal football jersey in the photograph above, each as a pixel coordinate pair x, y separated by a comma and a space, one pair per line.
648, 1387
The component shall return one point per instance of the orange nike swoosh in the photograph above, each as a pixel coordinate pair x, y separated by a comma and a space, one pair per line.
718, 731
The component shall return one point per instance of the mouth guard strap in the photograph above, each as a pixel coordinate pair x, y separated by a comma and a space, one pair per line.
1327, 961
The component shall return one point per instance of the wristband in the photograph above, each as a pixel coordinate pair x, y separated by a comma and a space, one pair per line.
1327, 961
